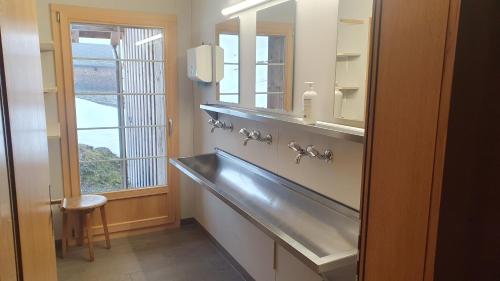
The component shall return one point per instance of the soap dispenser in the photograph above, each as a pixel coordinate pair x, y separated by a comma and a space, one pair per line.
308, 104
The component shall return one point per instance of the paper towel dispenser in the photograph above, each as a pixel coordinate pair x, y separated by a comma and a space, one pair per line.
199, 63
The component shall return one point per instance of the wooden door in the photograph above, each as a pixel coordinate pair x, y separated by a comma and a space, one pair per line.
409, 102
8, 254
129, 209
26, 126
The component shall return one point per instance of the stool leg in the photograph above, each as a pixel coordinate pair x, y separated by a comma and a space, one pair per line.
105, 226
88, 226
65, 234
81, 232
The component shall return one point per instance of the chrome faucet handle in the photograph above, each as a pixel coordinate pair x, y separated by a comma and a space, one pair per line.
267, 139
220, 124
295, 147
245, 132
255, 135
214, 123
311, 151
328, 156
298, 158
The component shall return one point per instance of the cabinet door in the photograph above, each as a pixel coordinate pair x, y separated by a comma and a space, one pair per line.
289, 268
252, 248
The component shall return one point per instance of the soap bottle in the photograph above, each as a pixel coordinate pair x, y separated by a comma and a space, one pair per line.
308, 104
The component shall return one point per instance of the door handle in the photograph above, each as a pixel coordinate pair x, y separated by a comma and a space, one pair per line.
170, 127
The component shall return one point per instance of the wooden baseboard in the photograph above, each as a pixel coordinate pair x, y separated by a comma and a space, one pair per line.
131, 228
133, 225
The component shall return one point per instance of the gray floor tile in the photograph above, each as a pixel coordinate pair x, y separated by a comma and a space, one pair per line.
184, 254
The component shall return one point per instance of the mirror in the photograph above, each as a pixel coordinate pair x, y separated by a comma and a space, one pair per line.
227, 36
351, 70
274, 56
322, 41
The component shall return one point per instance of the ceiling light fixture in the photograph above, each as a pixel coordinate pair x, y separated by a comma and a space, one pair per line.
241, 6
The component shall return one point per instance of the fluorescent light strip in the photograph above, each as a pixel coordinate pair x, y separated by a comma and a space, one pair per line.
241, 6
149, 39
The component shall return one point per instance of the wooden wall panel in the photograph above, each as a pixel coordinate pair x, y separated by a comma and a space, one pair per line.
410, 52
21, 54
135, 213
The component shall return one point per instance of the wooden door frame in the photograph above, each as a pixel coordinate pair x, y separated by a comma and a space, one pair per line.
64, 15
417, 262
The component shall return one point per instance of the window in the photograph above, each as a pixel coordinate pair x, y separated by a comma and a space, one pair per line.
120, 104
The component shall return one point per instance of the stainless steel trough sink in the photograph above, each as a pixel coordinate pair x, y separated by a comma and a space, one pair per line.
317, 230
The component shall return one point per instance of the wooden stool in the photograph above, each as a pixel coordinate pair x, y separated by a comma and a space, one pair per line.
84, 206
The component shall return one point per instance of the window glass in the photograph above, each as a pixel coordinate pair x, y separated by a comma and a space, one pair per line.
120, 107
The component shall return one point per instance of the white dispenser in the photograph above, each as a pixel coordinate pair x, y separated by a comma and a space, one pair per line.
199, 63
308, 104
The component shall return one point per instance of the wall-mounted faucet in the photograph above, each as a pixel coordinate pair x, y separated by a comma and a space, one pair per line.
255, 135
217, 124
310, 151
327, 155
300, 151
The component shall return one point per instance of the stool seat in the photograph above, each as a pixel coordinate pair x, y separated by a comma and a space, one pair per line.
83, 206
83, 202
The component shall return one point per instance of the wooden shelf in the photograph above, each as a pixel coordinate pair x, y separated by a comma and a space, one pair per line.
352, 21
348, 88
46, 46
331, 130
347, 54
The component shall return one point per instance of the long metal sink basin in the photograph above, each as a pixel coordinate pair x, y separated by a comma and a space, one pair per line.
317, 230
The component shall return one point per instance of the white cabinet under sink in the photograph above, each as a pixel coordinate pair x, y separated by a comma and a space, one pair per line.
253, 249
289, 268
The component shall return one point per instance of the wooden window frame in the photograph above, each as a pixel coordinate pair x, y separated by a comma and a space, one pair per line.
62, 17
286, 30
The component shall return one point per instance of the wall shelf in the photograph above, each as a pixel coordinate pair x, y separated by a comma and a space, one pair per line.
326, 129
348, 88
47, 46
347, 54
352, 21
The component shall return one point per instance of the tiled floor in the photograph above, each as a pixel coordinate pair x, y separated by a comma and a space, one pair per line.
185, 254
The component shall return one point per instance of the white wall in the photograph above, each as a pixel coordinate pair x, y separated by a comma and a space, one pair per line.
181, 8
340, 180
